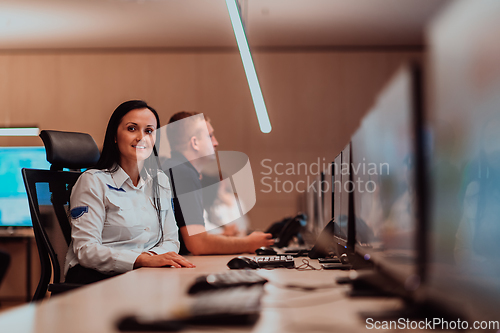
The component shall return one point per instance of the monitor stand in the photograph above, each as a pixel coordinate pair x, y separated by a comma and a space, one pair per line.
369, 283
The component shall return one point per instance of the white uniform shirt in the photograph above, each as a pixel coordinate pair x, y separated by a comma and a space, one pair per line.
113, 221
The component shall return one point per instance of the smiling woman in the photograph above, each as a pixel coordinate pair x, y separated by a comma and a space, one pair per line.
135, 138
121, 213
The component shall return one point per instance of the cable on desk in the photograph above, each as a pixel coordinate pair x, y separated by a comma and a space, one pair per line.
306, 266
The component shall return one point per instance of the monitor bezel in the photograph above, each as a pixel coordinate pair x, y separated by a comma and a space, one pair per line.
420, 181
345, 245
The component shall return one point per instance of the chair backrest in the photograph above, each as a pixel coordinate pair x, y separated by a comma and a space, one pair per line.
70, 150
48, 196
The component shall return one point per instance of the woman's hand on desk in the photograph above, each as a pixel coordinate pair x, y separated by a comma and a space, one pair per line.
148, 259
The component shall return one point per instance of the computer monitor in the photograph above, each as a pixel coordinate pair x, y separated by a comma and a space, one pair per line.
337, 186
341, 201
328, 209
310, 209
325, 243
14, 208
319, 202
314, 208
385, 155
464, 117
327, 196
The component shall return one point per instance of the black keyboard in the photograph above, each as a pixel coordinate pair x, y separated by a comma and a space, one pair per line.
230, 279
239, 305
233, 306
275, 261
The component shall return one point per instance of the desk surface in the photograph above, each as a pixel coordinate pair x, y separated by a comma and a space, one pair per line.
159, 291
21, 232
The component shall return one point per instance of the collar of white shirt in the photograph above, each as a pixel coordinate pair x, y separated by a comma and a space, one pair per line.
120, 177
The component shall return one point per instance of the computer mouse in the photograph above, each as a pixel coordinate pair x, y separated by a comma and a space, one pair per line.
266, 251
344, 259
242, 263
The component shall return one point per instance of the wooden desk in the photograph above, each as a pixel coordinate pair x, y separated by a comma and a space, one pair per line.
159, 291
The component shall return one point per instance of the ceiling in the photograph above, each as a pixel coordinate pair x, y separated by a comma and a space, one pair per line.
47, 24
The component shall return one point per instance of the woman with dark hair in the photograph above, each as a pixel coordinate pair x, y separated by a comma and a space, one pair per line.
121, 214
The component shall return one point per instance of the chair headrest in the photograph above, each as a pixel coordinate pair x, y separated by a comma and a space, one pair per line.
71, 150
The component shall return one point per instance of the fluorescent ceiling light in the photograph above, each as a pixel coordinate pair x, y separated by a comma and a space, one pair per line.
246, 57
24, 131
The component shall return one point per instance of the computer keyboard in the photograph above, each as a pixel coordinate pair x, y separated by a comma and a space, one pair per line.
261, 262
275, 261
230, 279
240, 305
233, 306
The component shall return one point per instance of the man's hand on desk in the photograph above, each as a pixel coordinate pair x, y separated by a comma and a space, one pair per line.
150, 259
258, 239
199, 242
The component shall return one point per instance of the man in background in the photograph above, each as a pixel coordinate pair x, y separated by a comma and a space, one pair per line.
192, 150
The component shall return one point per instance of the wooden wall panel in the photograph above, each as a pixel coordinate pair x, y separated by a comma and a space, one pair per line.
315, 100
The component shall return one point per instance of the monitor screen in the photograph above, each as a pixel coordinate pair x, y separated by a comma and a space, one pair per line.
346, 189
314, 205
309, 207
319, 201
329, 189
14, 208
464, 270
383, 167
327, 196
337, 198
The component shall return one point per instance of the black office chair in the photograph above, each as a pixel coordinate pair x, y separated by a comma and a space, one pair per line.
48, 196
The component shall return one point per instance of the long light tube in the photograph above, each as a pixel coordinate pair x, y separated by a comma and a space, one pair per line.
22, 131
246, 58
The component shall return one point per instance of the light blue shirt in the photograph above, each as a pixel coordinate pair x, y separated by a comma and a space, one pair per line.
113, 221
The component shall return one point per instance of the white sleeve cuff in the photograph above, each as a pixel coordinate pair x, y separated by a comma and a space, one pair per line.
125, 260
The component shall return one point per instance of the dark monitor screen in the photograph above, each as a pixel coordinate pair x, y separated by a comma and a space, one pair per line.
340, 232
14, 208
464, 270
327, 188
345, 192
310, 210
314, 205
320, 201
383, 168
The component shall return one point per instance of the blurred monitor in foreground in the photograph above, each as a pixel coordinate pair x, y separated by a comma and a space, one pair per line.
385, 179
464, 270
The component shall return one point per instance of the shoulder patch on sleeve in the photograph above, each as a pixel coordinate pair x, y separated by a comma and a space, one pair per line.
79, 211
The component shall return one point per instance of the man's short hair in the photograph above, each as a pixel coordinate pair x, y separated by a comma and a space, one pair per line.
179, 135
